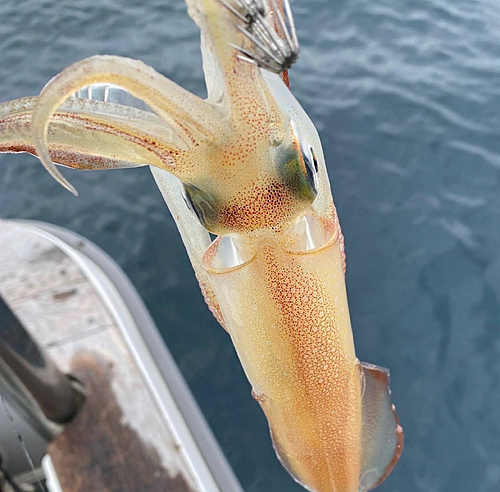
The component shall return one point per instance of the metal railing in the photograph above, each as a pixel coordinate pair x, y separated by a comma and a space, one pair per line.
30, 380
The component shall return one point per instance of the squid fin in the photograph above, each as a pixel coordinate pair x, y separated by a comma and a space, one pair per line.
382, 435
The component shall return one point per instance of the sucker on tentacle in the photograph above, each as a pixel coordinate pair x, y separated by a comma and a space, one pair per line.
275, 48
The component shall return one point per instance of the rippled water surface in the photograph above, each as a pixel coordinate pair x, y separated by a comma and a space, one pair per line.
406, 96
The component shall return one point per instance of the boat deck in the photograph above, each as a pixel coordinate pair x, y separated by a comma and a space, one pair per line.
139, 428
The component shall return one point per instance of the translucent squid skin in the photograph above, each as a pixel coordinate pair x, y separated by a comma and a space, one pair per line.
246, 165
288, 318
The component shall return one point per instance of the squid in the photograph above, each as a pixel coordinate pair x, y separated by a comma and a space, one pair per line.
244, 176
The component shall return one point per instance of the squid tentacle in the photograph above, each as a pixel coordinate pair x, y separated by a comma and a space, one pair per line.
191, 118
87, 134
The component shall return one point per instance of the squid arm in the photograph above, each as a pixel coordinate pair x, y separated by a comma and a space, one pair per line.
85, 134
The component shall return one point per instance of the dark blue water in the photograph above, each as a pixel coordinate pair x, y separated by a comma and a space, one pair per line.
406, 95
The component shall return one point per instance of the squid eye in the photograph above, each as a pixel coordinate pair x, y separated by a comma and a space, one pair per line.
201, 204
315, 161
310, 163
307, 156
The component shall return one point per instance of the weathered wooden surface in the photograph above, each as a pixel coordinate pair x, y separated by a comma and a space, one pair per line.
120, 442
130, 464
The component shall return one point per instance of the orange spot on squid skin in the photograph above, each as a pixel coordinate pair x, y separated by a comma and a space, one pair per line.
163, 152
14, 149
211, 301
261, 207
